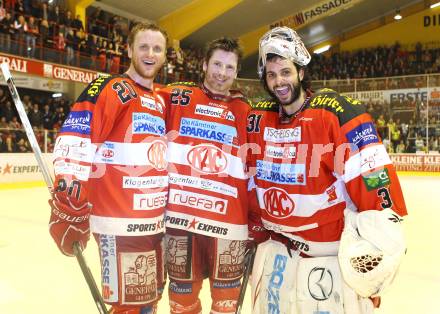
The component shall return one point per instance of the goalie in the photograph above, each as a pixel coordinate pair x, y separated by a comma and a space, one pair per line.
327, 193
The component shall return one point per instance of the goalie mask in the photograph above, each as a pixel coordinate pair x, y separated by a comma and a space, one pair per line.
284, 42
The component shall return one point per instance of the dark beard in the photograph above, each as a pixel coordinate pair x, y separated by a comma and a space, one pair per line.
296, 92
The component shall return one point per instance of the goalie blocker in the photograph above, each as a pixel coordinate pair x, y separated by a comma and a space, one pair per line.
370, 251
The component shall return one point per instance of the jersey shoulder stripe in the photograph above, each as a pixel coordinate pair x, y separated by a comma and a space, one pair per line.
344, 107
94, 89
182, 83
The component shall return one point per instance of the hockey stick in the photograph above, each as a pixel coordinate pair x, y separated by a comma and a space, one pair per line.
49, 182
248, 263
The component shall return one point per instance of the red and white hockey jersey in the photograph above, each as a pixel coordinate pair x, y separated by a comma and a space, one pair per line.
207, 179
111, 151
315, 165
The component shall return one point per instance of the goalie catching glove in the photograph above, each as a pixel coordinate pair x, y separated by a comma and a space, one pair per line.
69, 221
371, 249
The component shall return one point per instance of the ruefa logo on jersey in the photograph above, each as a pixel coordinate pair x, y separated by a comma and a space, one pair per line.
144, 123
207, 159
282, 135
78, 122
363, 135
157, 155
278, 203
199, 201
149, 201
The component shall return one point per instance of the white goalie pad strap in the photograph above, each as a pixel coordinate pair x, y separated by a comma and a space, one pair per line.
371, 249
272, 280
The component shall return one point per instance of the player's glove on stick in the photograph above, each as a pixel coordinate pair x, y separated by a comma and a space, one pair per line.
68, 224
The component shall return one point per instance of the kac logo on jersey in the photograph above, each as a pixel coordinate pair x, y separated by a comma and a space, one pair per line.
78, 122
157, 155
363, 135
278, 203
144, 123
207, 159
208, 131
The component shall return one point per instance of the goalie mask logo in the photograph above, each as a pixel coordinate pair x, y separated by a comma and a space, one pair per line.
278, 203
320, 283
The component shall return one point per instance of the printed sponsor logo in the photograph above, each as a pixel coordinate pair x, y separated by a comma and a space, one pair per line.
144, 123
73, 147
67, 168
142, 228
204, 184
149, 201
144, 182
215, 112
230, 259
282, 135
278, 203
291, 174
176, 221
107, 151
94, 88
199, 201
139, 282
78, 122
320, 283
177, 257
157, 155
332, 195
181, 287
376, 179
280, 152
327, 101
207, 159
226, 285
362, 135
151, 104
275, 283
107, 246
208, 131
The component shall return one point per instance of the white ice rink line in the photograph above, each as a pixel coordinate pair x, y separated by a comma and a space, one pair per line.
36, 278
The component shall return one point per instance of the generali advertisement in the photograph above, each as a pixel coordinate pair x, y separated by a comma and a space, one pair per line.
48, 70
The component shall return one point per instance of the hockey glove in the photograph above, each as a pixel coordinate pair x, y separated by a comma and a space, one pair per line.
68, 224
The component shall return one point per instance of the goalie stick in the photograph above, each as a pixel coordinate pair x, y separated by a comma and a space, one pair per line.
248, 263
49, 182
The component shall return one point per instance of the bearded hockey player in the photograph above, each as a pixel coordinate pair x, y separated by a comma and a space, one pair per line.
206, 215
327, 192
111, 177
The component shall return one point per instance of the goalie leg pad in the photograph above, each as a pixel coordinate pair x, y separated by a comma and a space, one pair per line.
272, 279
295, 285
371, 249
